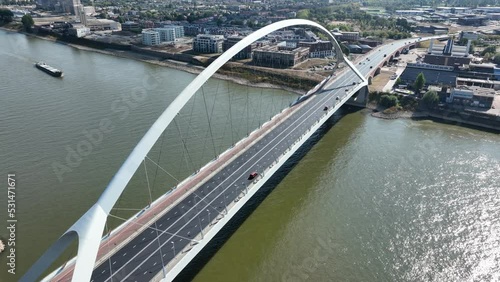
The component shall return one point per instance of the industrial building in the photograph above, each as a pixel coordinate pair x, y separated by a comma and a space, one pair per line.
433, 29
475, 21
473, 96
434, 74
484, 83
353, 48
481, 71
346, 35
469, 35
448, 54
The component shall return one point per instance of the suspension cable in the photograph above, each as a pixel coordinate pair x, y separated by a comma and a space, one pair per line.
209, 121
178, 181
147, 181
185, 150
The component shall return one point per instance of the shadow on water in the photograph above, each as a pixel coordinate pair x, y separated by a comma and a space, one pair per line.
194, 267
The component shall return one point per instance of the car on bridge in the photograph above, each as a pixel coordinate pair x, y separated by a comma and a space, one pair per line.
252, 175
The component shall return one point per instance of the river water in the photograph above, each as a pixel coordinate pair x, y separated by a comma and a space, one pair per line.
373, 200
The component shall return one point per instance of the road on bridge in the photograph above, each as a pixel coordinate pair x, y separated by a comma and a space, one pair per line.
179, 228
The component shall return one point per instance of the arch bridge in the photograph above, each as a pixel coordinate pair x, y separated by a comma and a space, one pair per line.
274, 141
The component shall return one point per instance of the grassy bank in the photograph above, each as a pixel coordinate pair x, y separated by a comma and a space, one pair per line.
255, 76
391, 102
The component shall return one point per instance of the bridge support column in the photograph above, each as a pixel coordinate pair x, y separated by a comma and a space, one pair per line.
360, 98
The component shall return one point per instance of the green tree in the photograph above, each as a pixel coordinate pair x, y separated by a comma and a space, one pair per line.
463, 41
430, 99
488, 56
472, 49
28, 22
344, 49
419, 82
489, 49
6, 15
408, 102
219, 21
398, 81
388, 100
304, 14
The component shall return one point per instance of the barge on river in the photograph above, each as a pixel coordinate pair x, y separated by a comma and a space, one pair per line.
48, 69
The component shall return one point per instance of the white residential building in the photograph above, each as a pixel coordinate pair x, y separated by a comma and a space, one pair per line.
150, 37
179, 30
208, 44
167, 34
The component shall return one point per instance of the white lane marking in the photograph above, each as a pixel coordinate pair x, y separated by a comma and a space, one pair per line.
311, 111
308, 113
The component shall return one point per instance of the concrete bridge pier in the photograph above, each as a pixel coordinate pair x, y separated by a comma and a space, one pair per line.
360, 98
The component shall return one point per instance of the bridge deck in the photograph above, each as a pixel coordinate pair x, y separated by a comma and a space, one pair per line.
177, 221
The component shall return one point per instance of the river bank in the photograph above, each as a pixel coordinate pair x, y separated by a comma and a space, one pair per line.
169, 63
444, 117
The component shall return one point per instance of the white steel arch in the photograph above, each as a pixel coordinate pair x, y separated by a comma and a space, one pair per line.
89, 227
